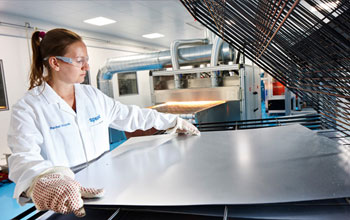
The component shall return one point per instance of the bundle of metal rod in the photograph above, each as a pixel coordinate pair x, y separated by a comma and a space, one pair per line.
305, 45
311, 121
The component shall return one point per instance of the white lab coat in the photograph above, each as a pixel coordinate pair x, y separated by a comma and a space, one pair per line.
46, 132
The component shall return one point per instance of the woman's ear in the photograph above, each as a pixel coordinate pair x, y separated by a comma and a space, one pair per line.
53, 62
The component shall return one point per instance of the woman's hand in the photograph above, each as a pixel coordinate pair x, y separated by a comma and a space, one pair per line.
59, 192
184, 126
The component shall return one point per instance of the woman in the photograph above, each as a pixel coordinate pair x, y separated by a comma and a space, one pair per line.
60, 124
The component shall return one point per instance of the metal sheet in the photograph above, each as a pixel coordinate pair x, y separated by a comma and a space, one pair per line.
258, 166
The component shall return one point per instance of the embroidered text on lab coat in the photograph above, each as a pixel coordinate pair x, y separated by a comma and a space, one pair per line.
59, 126
93, 119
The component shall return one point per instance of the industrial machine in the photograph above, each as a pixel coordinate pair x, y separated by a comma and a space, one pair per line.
210, 72
240, 92
276, 95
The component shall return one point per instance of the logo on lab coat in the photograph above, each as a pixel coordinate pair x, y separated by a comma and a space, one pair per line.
59, 126
93, 119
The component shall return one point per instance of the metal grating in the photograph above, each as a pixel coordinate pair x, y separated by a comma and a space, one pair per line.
305, 45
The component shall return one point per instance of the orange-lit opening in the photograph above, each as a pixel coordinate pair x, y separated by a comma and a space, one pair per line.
186, 107
195, 103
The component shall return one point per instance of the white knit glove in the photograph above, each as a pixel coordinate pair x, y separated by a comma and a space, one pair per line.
57, 190
183, 126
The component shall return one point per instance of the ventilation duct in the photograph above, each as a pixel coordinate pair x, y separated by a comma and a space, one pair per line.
174, 50
215, 60
157, 61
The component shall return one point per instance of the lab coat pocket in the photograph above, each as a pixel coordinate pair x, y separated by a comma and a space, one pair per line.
65, 142
61, 132
97, 128
99, 135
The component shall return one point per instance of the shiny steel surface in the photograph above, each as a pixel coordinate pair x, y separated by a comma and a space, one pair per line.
258, 166
197, 94
197, 70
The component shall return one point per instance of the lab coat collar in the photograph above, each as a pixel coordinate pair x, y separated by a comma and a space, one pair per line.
52, 97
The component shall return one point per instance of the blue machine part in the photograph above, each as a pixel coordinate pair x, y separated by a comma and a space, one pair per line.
109, 75
116, 138
262, 87
9, 207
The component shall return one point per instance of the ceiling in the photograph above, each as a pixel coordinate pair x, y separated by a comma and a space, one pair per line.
134, 17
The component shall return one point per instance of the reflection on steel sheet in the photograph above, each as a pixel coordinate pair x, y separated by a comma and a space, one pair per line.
258, 166
186, 107
203, 111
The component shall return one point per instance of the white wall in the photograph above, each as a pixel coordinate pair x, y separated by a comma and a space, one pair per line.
98, 57
15, 53
143, 98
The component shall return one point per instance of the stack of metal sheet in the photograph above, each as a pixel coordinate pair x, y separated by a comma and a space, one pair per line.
258, 166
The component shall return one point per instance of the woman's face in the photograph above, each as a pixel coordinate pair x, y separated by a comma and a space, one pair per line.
74, 72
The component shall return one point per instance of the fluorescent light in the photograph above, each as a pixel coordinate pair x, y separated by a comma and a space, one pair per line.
100, 21
153, 35
186, 67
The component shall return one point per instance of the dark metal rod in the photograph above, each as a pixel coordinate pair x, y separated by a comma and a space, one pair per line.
309, 54
284, 19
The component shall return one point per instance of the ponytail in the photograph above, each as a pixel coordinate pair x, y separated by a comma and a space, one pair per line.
37, 67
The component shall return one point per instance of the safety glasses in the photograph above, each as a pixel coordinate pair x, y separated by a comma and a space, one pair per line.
77, 61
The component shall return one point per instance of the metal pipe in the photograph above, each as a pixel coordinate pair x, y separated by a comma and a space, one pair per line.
215, 59
209, 35
174, 47
105, 85
156, 61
